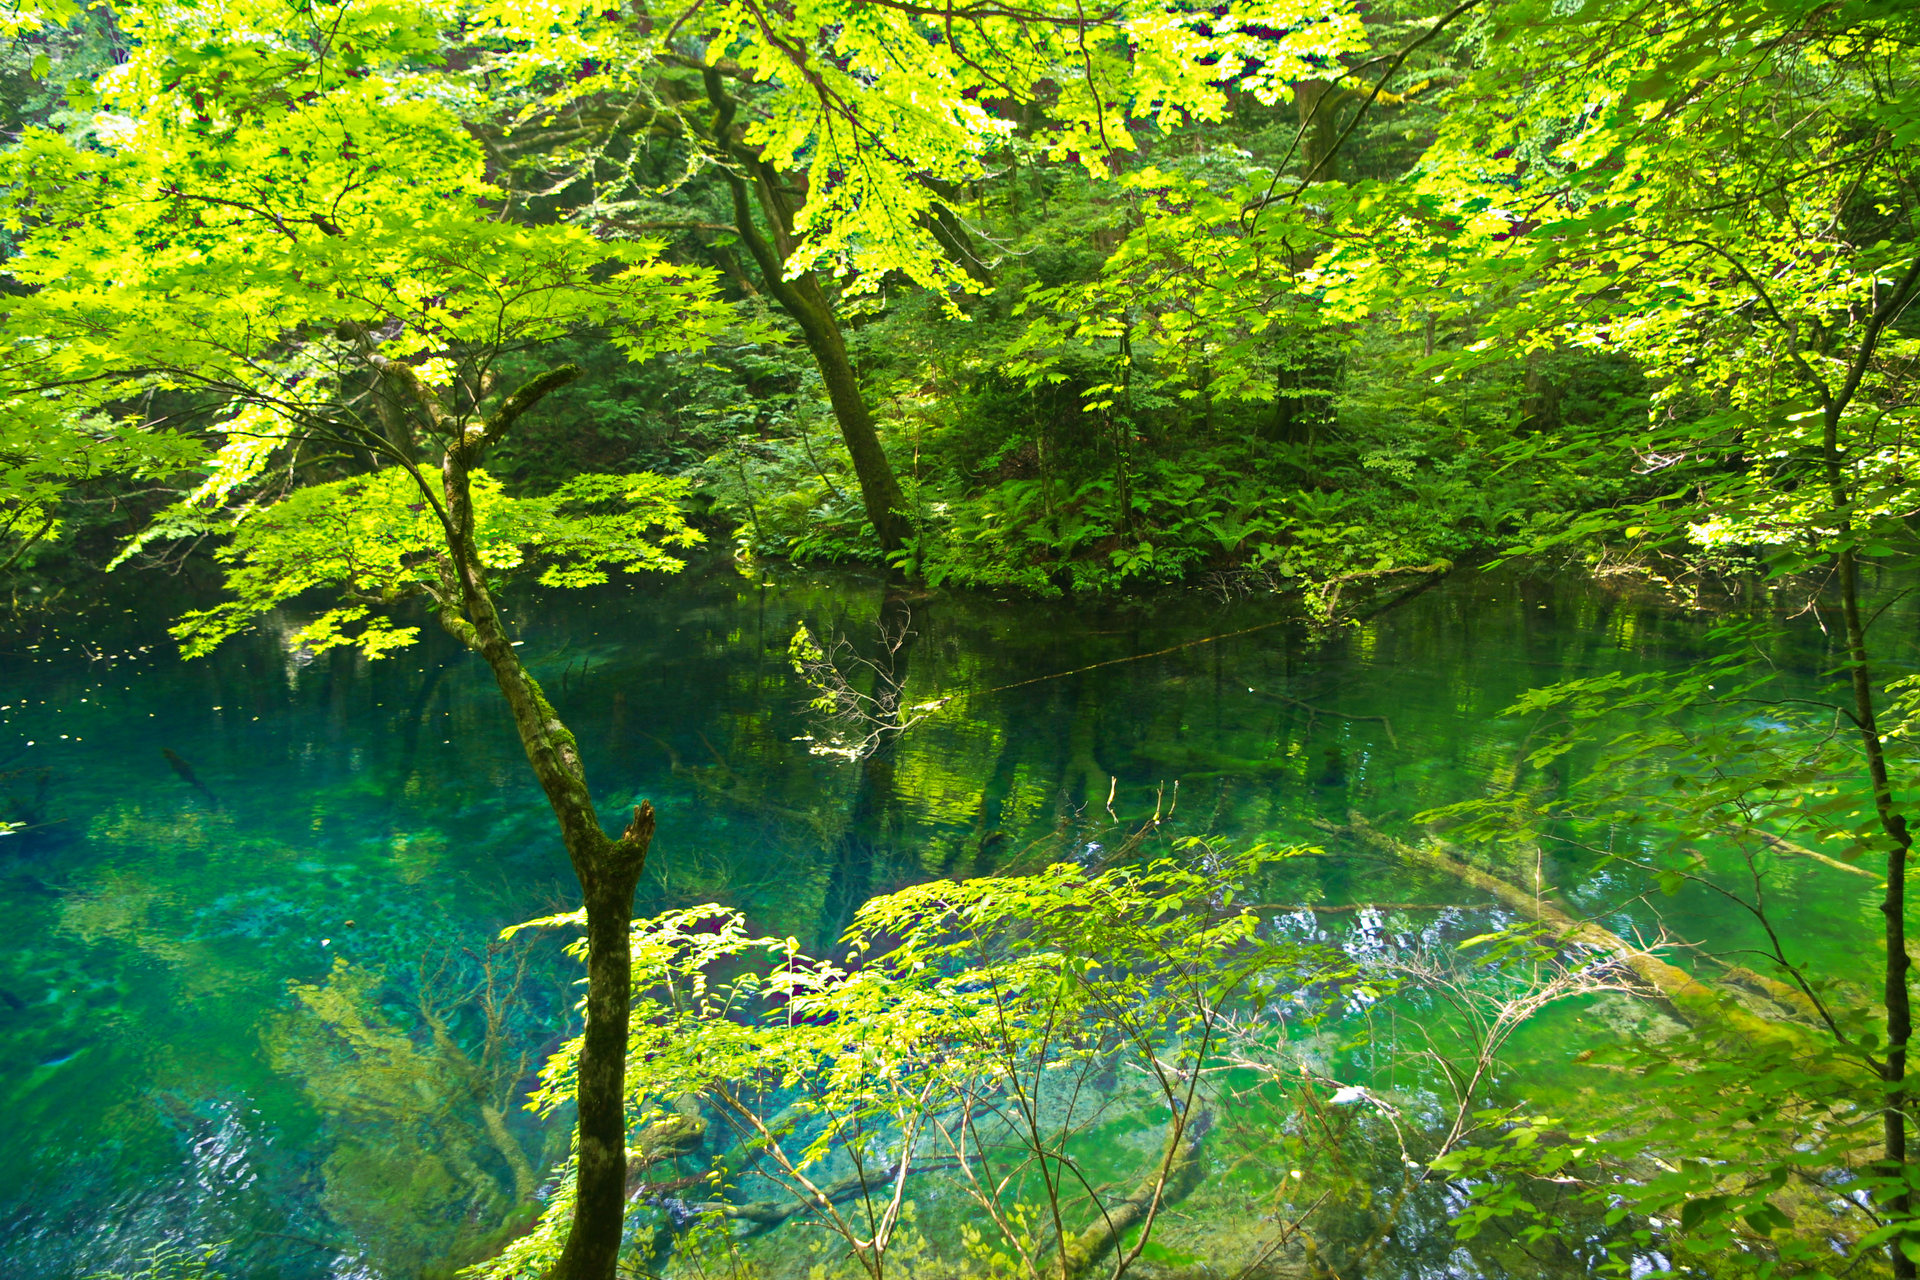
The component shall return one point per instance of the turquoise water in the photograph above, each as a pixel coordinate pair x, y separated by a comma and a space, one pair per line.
202, 835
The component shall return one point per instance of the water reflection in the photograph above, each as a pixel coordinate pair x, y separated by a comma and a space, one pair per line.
252, 904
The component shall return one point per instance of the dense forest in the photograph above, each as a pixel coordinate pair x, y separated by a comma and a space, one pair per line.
890, 436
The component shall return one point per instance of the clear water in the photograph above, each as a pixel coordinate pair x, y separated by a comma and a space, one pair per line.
205, 834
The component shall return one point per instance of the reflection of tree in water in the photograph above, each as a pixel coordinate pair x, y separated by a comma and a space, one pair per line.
423, 1151
417, 1083
834, 833
1041, 792
868, 839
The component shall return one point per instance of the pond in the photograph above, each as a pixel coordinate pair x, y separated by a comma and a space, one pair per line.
252, 971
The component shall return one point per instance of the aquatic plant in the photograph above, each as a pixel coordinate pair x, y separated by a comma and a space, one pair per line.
172, 1262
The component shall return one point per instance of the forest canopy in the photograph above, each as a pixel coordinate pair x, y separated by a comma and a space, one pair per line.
394, 313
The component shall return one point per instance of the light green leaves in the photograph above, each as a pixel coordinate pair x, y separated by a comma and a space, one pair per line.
376, 541
955, 1008
46, 449
891, 111
282, 233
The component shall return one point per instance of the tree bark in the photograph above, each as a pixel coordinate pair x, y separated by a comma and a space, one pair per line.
1896, 995
607, 868
1317, 103
802, 297
599, 1213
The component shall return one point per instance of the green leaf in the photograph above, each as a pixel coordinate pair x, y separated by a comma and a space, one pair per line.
1696, 1213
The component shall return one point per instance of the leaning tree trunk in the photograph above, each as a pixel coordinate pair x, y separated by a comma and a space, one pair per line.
608, 868
802, 297
1896, 995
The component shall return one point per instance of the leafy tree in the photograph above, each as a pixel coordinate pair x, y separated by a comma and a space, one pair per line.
979, 1029
846, 136
1671, 763
1723, 194
287, 227
43, 459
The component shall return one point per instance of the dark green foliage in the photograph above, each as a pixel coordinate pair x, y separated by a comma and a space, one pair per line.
1022, 483
655, 415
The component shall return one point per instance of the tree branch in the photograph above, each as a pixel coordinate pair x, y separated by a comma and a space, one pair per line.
501, 420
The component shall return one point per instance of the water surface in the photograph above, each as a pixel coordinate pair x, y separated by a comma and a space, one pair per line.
205, 834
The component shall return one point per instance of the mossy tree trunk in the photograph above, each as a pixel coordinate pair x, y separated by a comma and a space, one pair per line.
753, 181
607, 867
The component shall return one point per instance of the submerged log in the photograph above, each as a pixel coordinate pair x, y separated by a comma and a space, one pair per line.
1784, 994
1193, 763
1696, 1003
1175, 1174
1780, 844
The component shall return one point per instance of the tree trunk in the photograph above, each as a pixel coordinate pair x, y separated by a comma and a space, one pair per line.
880, 492
599, 1213
1895, 996
1318, 103
803, 298
608, 869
